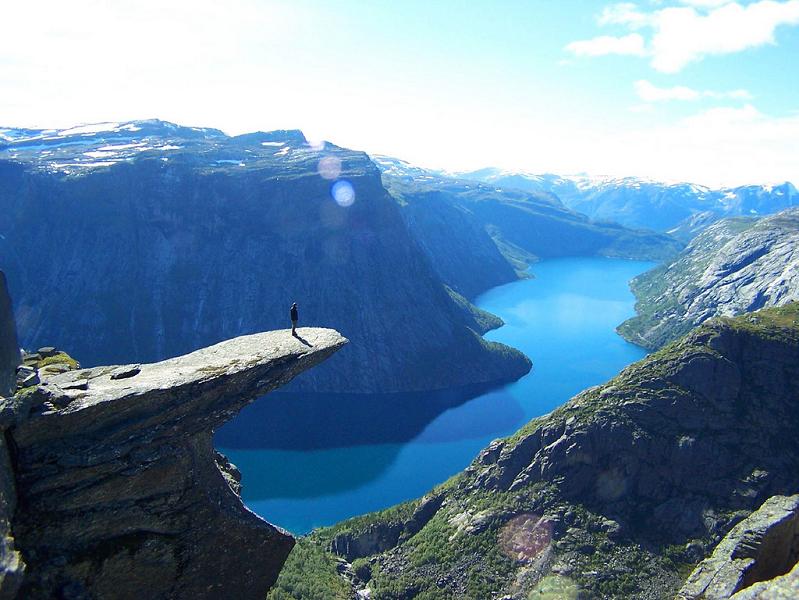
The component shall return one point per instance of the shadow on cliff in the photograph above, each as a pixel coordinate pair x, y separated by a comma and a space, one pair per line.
310, 445
297, 421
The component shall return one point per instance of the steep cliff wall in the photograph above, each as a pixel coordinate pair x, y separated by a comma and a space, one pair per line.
170, 250
9, 346
119, 492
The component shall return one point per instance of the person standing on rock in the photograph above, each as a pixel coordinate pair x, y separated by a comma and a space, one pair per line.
294, 319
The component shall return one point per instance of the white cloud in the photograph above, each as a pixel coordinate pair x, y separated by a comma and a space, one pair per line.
624, 13
632, 44
719, 146
716, 147
649, 92
706, 3
685, 34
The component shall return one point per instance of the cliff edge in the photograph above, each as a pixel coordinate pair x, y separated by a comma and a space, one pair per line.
119, 491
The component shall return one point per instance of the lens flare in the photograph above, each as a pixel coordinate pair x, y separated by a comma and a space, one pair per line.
554, 587
331, 216
525, 537
329, 167
343, 193
611, 484
317, 145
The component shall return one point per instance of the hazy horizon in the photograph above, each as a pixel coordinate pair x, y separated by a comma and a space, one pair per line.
702, 91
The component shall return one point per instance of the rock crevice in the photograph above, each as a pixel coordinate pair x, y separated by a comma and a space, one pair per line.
763, 546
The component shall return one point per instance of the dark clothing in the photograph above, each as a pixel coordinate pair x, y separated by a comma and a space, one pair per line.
294, 315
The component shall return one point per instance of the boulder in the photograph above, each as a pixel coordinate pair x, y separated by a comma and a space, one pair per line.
29, 379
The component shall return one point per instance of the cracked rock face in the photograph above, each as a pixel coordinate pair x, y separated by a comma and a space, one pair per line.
763, 546
120, 492
736, 266
9, 347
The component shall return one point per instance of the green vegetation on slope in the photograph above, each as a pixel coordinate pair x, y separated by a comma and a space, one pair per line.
737, 265
310, 573
616, 494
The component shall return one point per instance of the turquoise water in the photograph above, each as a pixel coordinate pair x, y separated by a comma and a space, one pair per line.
312, 461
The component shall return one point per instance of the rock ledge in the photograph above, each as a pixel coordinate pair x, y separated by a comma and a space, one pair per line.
119, 491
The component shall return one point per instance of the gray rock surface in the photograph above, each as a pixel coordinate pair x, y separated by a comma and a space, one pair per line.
12, 567
737, 265
9, 346
120, 491
763, 546
11, 564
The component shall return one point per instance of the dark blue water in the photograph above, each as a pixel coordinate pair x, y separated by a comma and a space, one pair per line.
312, 461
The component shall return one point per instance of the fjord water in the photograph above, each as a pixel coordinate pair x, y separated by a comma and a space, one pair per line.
312, 461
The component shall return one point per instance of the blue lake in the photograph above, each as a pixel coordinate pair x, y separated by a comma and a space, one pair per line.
312, 461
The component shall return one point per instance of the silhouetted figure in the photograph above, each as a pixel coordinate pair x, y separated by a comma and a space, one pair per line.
294, 319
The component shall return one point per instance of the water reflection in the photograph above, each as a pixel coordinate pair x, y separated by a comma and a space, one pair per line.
318, 421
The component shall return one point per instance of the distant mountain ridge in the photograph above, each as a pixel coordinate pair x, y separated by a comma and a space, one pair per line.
641, 202
476, 234
84, 148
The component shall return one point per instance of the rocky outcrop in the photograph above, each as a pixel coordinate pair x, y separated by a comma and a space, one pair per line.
183, 237
763, 546
119, 491
9, 347
618, 493
737, 265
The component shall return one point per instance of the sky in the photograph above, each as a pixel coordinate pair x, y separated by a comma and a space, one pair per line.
705, 91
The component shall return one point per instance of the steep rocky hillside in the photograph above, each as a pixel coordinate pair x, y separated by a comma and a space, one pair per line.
477, 235
138, 241
737, 265
616, 494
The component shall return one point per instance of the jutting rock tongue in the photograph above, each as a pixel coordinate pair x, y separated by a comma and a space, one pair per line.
9, 347
121, 494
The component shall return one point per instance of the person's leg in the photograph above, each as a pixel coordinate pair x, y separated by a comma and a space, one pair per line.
294, 328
